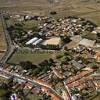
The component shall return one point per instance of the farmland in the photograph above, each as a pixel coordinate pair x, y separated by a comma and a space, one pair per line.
2, 40
89, 9
64, 69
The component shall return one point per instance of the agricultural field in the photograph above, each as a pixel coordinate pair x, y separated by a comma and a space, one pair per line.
90, 9
97, 98
2, 40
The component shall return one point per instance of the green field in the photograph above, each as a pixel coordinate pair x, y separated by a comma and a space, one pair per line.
32, 24
2, 92
97, 97
27, 55
34, 96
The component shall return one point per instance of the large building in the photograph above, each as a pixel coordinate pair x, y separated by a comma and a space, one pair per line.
37, 42
31, 41
52, 43
87, 42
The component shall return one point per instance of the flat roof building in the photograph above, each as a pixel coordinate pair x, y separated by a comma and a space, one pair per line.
52, 41
87, 42
76, 38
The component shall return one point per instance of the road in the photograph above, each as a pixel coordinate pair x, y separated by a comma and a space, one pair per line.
10, 46
10, 49
6, 74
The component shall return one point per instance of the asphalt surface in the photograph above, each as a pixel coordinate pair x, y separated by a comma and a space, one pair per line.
10, 46
6, 74
10, 49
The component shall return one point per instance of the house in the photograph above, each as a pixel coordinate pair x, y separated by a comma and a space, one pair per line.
77, 64
96, 31
87, 42
71, 45
96, 81
52, 43
20, 81
96, 76
97, 54
74, 97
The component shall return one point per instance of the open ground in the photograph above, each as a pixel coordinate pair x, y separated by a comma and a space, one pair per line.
90, 9
2, 40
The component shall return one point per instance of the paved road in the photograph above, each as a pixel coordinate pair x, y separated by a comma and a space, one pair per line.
5, 73
10, 46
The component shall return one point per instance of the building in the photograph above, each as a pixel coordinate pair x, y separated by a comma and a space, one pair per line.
37, 42
74, 42
76, 38
77, 64
71, 45
52, 43
97, 55
13, 97
96, 81
32, 41
96, 31
87, 42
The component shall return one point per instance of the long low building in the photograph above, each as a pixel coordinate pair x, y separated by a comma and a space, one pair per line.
37, 42
52, 43
31, 41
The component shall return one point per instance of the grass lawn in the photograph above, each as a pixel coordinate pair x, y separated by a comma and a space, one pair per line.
96, 98
2, 92
30, 24
34, 96
27, 55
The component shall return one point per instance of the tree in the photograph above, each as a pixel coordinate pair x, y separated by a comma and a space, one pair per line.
65, 39
94, 66
74, 91
35, 28
98, 34
53, 12
27, 65
36, 71
10, 28
51, 61
45, 62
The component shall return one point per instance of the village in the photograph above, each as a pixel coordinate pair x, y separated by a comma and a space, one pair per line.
73, 70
